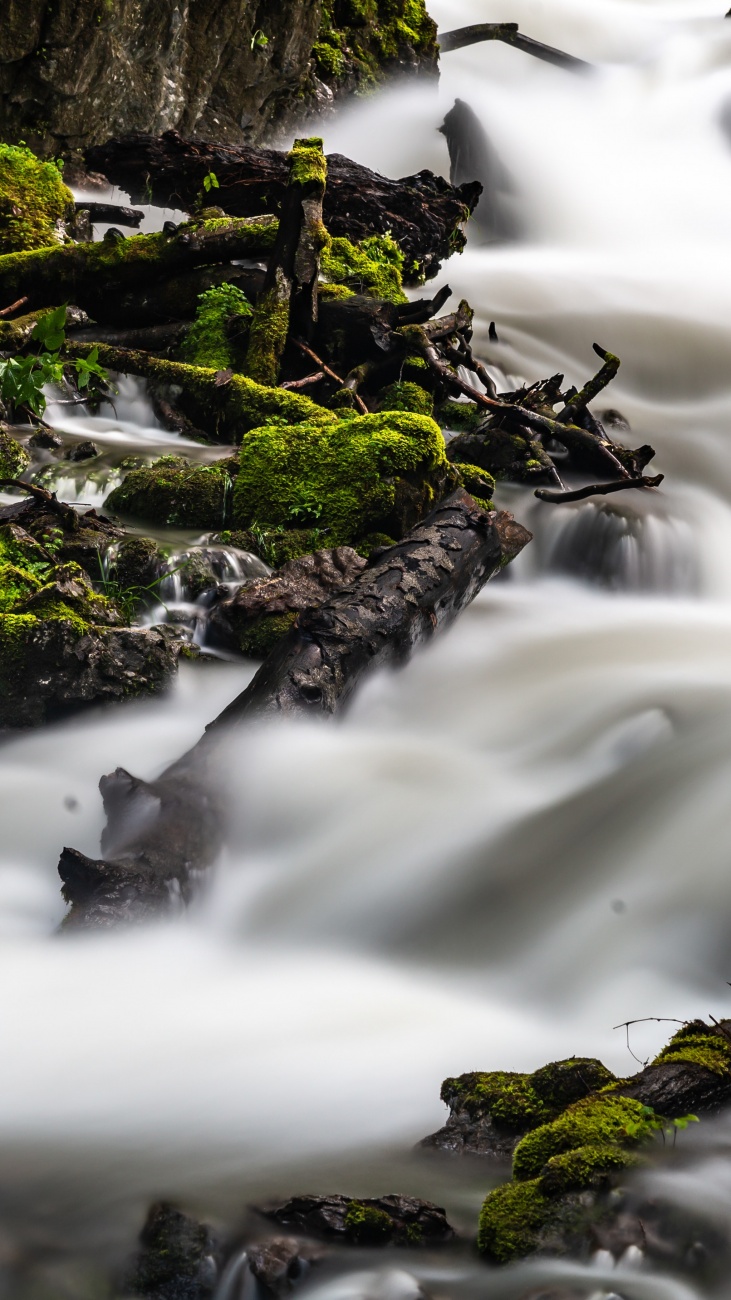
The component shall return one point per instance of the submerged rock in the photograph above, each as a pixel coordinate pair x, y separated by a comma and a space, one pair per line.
83, 451
385, 1220
254, 619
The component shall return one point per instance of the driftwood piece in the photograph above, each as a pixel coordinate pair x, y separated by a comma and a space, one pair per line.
563, 497
510, 34
92, 275
424, 213
108, 212
170, 830
150, 338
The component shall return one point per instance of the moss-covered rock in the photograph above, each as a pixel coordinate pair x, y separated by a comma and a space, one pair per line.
478, 483
34, 202
13, 456
603, 1119
694, 1044
173, 491
275, 546
63, 645
217, 337
405, 395
361, 41
374, 266
371, 473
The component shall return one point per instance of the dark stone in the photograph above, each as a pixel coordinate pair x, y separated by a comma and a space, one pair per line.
45, 438
178, 1257
279, 1264
397, 1220
83, 451
259, 613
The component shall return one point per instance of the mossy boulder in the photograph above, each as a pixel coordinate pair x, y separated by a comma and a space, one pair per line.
13, 455
361, 41
34, 202
695, 1045
601, 1120
405, 395
63, 645
172, 491
177, 1259
371, 473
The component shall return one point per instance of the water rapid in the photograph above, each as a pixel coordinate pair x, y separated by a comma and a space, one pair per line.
504, 850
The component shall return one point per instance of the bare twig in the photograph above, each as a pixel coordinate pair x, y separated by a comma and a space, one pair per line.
14, 306
642, 1021
304, 383
510, 34
597, 489
304, 347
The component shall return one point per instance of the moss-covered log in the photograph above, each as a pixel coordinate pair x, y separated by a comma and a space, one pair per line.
400, 600
423, 213
92, 275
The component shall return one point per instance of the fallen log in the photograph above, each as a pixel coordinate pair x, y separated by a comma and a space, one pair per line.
104, 213
163, 833
423, 213
93, 275
510, 34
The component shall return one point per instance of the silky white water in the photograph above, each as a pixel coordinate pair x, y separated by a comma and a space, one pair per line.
509, 847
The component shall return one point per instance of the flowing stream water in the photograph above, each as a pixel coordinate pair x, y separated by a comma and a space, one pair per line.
508, 848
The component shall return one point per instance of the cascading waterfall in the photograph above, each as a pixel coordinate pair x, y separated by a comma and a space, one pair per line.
515, 844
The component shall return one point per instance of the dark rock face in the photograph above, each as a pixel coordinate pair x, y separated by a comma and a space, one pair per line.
177, 1259
258, 614
397, 1220
279, 1264
80, 70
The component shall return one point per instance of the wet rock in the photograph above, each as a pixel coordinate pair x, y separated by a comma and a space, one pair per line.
83, 451
178, 1257
385, 1220
136, 563
279, 1264
259, 613
47, 439
63, 532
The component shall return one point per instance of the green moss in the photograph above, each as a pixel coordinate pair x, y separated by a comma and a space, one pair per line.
268, 336
600, 1120
367, 1226
521, 1102
406, 396
694, 1043
33, 200
15, 585
359, 40
172, 491
334, 292
264, 634
13, 456
208, 342
459, 415
223, 411
374, 266
369, 473
511, 1219
584, 1167
307, 163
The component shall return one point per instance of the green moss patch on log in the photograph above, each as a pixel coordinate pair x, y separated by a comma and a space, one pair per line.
171, 491
215, 339
371, 473
34, 202
374, 266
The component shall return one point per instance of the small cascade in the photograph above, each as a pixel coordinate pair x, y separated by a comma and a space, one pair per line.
196, 578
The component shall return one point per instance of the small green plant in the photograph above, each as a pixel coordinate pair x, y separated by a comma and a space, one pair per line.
651, 1122
259, 41
305, 507
23, 379
130, 598
210, 182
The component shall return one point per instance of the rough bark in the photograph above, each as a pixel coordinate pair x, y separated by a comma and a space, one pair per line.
424, 213
171, 829
92, 275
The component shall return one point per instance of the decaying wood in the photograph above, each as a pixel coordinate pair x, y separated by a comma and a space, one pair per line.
168, 830
511, 35
559, 497
104, 213
91, 276
423, 213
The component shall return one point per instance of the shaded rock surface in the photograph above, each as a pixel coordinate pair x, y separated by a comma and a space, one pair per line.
260, 612
281, 1263
384, 1220
177, 1260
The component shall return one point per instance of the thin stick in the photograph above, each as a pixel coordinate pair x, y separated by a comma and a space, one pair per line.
8, 311
644, 1019
304, 383
597, 489
303, 347
510, 34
